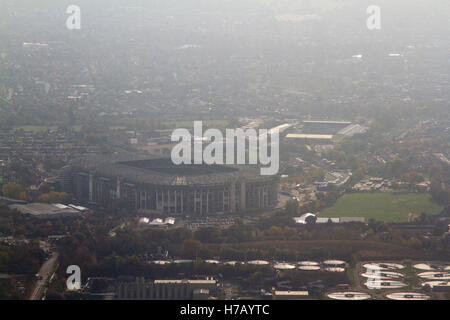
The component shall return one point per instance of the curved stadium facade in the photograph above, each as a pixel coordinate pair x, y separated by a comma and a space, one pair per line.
159, 185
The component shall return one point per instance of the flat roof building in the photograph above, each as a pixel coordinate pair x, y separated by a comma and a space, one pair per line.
324, 126
327, 122
165, 289
290, 295
46, 210
310, 138
352, 219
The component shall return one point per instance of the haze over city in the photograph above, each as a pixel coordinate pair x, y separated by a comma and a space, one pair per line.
224, 150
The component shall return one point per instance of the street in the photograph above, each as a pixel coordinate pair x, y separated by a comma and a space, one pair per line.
45, 272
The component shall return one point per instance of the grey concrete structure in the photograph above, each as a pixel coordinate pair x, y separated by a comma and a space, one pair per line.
165, 289
159, 185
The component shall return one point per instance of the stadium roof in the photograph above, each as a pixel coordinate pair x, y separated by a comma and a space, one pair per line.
309, 136
327, 122
282, 127
164, 172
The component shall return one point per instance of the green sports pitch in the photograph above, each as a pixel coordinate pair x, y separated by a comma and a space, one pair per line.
389, 207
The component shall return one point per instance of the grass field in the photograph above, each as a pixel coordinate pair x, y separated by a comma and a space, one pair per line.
389, 207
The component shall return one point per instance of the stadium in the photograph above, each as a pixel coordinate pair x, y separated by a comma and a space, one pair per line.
159, 185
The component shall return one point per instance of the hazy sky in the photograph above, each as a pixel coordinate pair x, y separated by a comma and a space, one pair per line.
233, 44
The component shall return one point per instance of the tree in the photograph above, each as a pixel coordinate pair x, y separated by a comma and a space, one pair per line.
45, 188
439, 194
54, 296
256, 278
291, 208
54, 197
397, 168
441, 228
178, 235
12, 190
415, 177
208, 234
423, 218
191, 248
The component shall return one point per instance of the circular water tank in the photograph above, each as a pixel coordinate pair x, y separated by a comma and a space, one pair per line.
231, 263
384, 284
383, 275
284, 266
334, 263
408, 296
349, 296
308, 268
161, 262
423, 266
258, 262
435, 275
383, 266
334, 269
308, 263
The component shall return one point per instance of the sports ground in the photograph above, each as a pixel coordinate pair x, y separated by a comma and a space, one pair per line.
389, 207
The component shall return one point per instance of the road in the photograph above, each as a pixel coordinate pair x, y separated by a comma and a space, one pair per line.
45, 272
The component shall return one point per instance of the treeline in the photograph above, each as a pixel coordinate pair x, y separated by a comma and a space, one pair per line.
129, 250
20, 259
44, 194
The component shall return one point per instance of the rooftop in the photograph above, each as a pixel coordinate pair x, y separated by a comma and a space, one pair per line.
166, 166
187, 281
164, 172
309, 136
327, 122
45, 209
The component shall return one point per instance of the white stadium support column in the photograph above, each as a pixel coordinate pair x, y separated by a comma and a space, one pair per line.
91, 187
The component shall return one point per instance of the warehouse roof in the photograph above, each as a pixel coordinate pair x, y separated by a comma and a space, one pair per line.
45, 210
